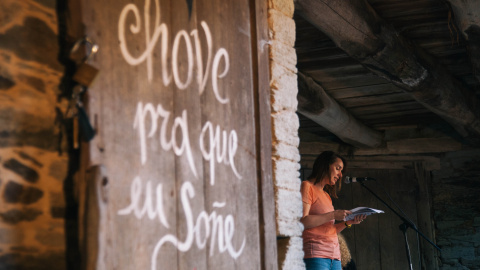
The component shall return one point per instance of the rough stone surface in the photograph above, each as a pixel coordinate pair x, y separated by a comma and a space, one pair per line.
289, 211
16, 216
284, 6
287, 174
6, 83
455, 208
36, 83
43, 261
11, 236
285, 151
26, 156
32, 42
16, 193
58, 169
57, 205
282, 28
27, 173
284, 55
285, 128
285, 124
31, 167
50, 238
284, 87
294, 257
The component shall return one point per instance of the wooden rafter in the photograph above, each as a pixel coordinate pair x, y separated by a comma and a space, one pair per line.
356, 28
317, 105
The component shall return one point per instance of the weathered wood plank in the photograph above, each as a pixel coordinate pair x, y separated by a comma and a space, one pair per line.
315, 104
382, 162
407, 146
187, 19
425, 217
175, 128
351, 92
267, 223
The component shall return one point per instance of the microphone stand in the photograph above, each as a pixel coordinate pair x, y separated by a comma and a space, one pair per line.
403, 227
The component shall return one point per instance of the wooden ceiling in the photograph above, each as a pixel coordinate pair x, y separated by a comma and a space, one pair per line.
366, 67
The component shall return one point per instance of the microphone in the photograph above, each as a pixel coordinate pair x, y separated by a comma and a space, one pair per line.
349, 179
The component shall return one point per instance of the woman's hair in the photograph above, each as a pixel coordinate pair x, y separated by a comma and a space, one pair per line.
321, 169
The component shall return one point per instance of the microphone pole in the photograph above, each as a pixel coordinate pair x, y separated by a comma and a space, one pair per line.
403, 227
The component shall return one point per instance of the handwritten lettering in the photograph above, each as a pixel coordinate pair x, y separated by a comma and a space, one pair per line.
160, 31
213, 225
217, 147
184, 65
179, 125
148, 207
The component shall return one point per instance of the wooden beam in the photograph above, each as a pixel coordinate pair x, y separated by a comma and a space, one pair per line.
431, 163
316, 104
356, 28
469, 24
397, 147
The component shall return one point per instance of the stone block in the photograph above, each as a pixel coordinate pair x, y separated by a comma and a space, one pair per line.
16, 216
283, 78
50, 238
6, 83
24, 249
294, 255
282, 28
289, 227
17, 193
27, 173
43, 50
286, 175
283, 55
30, 158
286, 7
285, 151
457, 252
11, 236
42, 261
284, 99
289, 211
57, 205
59, 169
285, 128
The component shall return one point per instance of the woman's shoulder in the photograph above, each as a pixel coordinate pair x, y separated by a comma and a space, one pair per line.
307, 184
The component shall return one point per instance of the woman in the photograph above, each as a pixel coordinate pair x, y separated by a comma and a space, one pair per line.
320, 240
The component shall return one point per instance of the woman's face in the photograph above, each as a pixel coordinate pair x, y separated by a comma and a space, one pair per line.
335, 172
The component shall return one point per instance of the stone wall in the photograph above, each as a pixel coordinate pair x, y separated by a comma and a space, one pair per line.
456, 206
32, 166
285, 139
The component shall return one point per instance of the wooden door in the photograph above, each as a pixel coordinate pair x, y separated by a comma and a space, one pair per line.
178, 134
378, 243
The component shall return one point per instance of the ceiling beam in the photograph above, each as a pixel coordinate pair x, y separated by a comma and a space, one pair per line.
316, 104
469, 24
396, 147
356, 28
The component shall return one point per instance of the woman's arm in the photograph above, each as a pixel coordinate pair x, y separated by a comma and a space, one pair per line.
342, 225
310, 221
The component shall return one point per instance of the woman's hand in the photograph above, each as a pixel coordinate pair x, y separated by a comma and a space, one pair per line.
341, 214
357, 220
